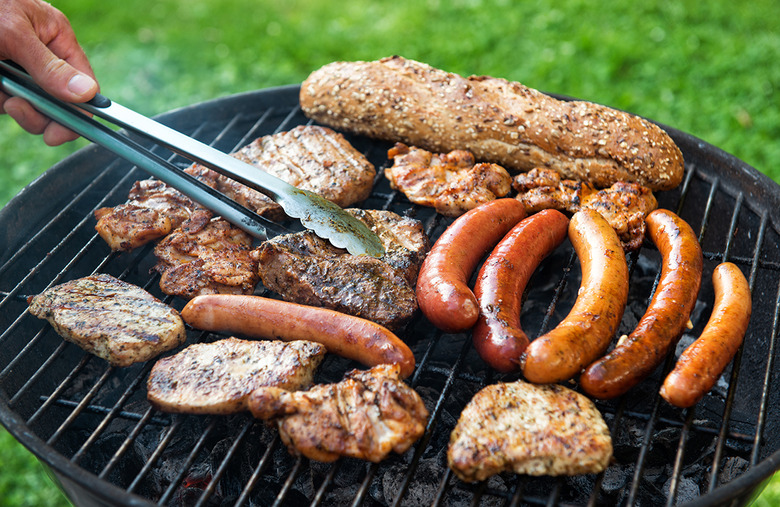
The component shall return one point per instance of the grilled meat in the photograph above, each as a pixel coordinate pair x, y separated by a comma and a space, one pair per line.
451, 182
307, 269
308, 157
153, 210
624, 205
528, 429
217, 378
210, 258
112, 319
365, 416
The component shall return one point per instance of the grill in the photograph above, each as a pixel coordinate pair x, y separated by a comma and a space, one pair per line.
91, 425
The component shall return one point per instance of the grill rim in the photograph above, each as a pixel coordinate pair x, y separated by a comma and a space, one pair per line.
746, 179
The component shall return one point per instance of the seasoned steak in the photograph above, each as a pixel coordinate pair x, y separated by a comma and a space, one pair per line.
112, 319
218, 377
528, 429
306, 269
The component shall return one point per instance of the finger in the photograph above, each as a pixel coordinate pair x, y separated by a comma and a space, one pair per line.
34, 122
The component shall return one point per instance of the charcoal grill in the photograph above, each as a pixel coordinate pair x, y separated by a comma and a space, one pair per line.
91, 426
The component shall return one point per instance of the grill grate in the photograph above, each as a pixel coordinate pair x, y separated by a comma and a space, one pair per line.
92, 425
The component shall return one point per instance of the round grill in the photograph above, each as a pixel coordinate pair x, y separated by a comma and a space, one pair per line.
92, 426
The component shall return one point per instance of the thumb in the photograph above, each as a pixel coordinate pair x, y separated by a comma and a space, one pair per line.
57, 76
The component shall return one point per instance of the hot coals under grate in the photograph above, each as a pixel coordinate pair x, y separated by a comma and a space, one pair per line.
92, 426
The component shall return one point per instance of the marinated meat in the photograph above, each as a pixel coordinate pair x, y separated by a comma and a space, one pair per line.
367, 415
313, 158
528, 429
452, 183
112, 319
218, 377
210, 258
308, 157
624, 205
307, 269
153, 210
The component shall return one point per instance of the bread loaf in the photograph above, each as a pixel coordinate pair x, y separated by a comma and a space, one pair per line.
500, 121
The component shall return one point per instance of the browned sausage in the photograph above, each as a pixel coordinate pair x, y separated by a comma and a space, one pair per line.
700, 365
498, 336
443, 293
259, 317
667, 314
586, 332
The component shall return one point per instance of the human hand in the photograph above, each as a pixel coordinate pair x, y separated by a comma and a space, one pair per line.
39, 37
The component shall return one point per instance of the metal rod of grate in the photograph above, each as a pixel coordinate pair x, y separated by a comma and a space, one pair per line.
78, 410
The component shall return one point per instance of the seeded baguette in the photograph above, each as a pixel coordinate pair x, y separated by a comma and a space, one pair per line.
504, 122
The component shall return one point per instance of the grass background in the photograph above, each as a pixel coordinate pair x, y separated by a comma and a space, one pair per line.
711, 69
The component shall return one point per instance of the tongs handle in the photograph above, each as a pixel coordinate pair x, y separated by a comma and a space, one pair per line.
18, 83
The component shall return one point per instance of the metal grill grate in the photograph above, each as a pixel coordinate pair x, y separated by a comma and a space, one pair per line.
92, 425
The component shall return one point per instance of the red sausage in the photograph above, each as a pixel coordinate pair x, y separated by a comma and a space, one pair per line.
700, 365
443, 293
664, 320
498, 336
593, 320
259, 317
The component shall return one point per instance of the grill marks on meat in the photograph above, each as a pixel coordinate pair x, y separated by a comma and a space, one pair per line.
367, 415
528, 429
153, 210
210, 258
309, 157
111, 319
314, 158
624, 205
452, 183
218, 377
307, 269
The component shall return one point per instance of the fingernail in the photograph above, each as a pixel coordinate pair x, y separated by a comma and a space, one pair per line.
80, 84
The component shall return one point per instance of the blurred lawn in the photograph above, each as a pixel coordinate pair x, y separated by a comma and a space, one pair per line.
711, 69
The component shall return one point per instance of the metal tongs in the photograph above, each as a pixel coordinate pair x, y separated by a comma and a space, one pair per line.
323, 217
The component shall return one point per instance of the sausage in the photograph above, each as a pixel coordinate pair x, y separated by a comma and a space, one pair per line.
593, 320
442, 291
700, 365
498, 336
666, 316
258, 317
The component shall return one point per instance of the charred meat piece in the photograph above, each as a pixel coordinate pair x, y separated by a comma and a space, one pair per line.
112, 319
307, 269
624, 205
367, 415
451, 182
528, 429
218, 377
153, 210
210, 258
308, 157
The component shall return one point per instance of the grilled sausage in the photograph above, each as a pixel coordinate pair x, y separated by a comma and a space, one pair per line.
700, 365
586, 332
667, 314
498, 335
442, 291
259, 317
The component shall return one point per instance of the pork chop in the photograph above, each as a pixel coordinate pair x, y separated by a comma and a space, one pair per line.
306, 269
528, 429
217, 377
112, 319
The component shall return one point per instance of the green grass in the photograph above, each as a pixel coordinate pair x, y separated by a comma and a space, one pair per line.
710, 69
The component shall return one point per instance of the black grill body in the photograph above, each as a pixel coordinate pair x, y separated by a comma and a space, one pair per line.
92, 426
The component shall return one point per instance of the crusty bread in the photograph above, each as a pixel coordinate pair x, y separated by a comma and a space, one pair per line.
499, 121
